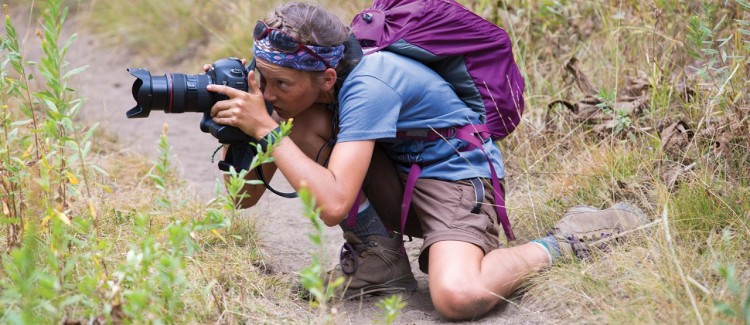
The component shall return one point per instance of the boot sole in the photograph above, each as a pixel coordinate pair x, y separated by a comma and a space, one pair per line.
401, 285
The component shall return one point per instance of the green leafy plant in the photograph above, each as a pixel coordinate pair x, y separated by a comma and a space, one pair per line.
15, 170
28, 290
313, 276
160, 172
710, 39
621, 120
738, 308
699, 37
735, 307
744, 29
46, 163
391, 308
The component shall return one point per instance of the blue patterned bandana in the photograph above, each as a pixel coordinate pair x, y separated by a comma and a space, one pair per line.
302, 60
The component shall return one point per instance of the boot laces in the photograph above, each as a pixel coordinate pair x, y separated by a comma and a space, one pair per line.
349, 255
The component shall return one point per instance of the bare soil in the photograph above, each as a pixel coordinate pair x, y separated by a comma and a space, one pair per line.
106, 85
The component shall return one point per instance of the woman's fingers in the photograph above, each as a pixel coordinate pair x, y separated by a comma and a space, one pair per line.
220, 106
230, 106
254, 88
226, 90
226, 115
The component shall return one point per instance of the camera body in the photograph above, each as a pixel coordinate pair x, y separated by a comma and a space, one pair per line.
229, 72
179, 93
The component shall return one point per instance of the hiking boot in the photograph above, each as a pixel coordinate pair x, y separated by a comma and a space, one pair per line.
374, 267
583, 228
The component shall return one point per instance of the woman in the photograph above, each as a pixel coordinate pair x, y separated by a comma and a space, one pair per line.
299, 50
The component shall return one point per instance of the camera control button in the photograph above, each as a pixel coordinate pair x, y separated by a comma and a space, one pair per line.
236, 72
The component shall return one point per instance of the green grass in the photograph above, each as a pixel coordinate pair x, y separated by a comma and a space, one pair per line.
74, 225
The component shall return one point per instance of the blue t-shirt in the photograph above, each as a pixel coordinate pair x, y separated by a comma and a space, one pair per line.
386, 93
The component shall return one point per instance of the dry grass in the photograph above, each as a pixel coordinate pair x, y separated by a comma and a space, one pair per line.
657, 276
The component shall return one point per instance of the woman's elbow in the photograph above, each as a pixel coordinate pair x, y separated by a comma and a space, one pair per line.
329, 222
332, 216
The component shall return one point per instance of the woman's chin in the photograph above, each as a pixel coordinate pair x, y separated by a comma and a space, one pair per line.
283, 115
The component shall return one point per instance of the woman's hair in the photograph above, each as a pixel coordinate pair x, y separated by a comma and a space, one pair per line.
308, 23
313, 25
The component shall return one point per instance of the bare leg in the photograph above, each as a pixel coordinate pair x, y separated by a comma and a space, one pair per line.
465, 283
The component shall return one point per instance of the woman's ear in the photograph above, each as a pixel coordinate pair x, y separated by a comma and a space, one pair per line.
328, 79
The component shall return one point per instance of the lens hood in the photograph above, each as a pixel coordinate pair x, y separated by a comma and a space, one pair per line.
142, 93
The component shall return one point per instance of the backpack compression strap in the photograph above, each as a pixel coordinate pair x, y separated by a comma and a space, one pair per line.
473, 134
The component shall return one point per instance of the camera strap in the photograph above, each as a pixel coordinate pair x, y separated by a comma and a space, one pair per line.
259, 172
240, 156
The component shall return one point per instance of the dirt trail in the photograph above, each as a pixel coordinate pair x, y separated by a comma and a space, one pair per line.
106, 87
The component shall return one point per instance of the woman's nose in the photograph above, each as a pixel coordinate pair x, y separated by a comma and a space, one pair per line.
268, 95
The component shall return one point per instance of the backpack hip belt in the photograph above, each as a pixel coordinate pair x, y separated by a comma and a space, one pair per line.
475, 135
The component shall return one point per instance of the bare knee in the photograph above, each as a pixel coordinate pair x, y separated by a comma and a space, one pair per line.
461, 301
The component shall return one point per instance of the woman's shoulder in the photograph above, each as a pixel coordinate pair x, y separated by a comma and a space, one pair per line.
390, 69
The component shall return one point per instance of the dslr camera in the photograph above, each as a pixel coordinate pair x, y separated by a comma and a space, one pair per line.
180, 93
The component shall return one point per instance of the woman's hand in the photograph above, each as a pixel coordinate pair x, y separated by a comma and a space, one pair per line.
244, 110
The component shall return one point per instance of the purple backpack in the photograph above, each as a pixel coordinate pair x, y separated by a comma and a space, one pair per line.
472, 54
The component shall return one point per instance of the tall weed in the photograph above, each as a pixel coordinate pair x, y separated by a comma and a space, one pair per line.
45, 153
313, 277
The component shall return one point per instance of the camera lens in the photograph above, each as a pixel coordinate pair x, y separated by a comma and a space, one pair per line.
171, 93
188, 93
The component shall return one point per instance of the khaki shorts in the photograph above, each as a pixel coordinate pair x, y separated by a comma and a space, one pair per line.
439, 211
